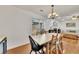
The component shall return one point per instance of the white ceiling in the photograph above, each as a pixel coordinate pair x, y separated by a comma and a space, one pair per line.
62, 10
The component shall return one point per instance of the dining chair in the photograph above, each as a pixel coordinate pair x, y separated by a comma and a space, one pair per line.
50, 44
59, 30
50, 31
56, 45
35, 46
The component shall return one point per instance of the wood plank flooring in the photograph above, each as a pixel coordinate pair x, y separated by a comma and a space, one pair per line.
25, 49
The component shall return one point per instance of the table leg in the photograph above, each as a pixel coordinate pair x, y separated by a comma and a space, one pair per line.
57, 51
51, 49
47, 48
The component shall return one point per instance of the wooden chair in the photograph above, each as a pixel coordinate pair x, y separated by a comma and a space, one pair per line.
56, 45
52, 44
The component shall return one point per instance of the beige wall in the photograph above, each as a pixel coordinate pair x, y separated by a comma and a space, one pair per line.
16, 24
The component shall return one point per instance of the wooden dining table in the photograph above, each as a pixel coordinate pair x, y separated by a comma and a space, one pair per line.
44, 39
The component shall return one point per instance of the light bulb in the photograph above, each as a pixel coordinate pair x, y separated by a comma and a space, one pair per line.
54, 13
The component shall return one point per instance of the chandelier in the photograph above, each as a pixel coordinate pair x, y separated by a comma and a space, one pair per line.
53, 13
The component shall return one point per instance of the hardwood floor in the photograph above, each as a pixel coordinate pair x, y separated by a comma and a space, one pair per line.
25, 49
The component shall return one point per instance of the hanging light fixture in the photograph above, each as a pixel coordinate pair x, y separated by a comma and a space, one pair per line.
53, 13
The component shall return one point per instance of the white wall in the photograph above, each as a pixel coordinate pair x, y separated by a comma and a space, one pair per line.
16, 24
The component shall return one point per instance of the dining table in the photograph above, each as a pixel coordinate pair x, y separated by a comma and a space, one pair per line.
44, 39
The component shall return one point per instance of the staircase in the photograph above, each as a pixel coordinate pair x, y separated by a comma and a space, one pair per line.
3, 44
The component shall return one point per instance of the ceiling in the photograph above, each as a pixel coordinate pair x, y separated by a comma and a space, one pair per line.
62, 10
